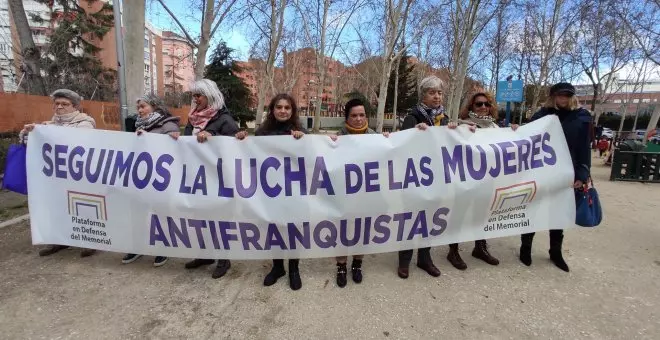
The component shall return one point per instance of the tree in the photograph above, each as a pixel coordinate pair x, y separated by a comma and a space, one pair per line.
213, 14
549, 22
268, 17
601, 48
70, 55
29, 51
323, 23
406, 90
467, 19
224, 71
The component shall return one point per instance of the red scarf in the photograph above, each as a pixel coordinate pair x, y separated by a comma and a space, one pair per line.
199, 119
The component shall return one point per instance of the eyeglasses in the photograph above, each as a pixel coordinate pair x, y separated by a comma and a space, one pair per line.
481, 104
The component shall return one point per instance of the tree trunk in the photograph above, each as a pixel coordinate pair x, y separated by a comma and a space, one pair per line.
204, 40
396, 93
133, 20
594, 98
29, 51
320, 66
382, 94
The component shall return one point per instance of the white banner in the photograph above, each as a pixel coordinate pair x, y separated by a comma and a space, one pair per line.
277, 197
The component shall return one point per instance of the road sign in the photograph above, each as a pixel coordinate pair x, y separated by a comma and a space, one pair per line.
510, 91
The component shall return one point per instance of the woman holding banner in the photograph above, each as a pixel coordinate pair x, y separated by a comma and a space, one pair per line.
356, 123
66, 109
153, 117
282, 120
480, 111
428, 112
576, 123
209, 117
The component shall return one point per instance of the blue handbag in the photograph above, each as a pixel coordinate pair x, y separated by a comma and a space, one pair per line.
15, 178
587, 204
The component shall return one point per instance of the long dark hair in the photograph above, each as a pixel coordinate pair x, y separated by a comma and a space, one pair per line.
271, 121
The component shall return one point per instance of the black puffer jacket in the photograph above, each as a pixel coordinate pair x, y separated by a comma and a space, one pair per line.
415, 117
577, 129
279, 129
222, 124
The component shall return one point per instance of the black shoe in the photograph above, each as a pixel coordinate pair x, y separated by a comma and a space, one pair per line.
196, 263
130, 258
526, 254
429, 268
356, 270
274, 275
481, 252
558, 260
455, 258
294, 279
159, 261
221, 269
52, 249
341, 275
87, 252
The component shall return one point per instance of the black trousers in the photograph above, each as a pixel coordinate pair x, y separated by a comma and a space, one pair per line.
556, 238
279, 263
423, 256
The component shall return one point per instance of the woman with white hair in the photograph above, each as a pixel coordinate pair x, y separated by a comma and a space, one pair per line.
428, 112
66, 109
209, 117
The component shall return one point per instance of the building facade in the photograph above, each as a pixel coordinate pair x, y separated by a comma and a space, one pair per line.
178, 63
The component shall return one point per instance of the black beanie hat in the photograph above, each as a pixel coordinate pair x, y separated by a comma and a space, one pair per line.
351, 104
565, 88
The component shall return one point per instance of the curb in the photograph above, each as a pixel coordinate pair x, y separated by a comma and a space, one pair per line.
14, 220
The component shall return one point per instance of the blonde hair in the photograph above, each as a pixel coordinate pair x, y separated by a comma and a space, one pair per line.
551, 103
209, 89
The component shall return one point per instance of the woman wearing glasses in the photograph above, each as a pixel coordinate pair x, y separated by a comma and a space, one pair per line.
480, 111
209, 117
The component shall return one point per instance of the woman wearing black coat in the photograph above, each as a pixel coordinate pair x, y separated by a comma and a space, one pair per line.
427, 113
282, 120
209, 117
576, 123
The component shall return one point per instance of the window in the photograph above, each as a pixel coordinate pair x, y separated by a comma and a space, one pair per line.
4, 48
146, 55
646, 100
146, 42
146, 68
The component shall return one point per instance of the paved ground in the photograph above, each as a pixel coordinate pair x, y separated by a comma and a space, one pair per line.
612, 291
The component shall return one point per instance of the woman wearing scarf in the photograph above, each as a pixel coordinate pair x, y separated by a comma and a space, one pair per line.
480, 111
66, 105
209, 117
428, 112
153, 117
356, 124
282, 120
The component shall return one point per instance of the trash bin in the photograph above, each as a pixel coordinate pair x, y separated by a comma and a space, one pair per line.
310, 123
631, 145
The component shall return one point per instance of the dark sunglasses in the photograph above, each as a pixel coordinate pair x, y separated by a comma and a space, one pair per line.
481, 104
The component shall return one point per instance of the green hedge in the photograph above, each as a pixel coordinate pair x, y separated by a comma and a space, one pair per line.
6, 139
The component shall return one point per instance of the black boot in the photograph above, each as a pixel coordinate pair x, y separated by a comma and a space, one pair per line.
196, 263
356, 270
455, 258
526, 248
52, 249
481, 252
556, 240
341, 275
275, 273
221, 269
294, 276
